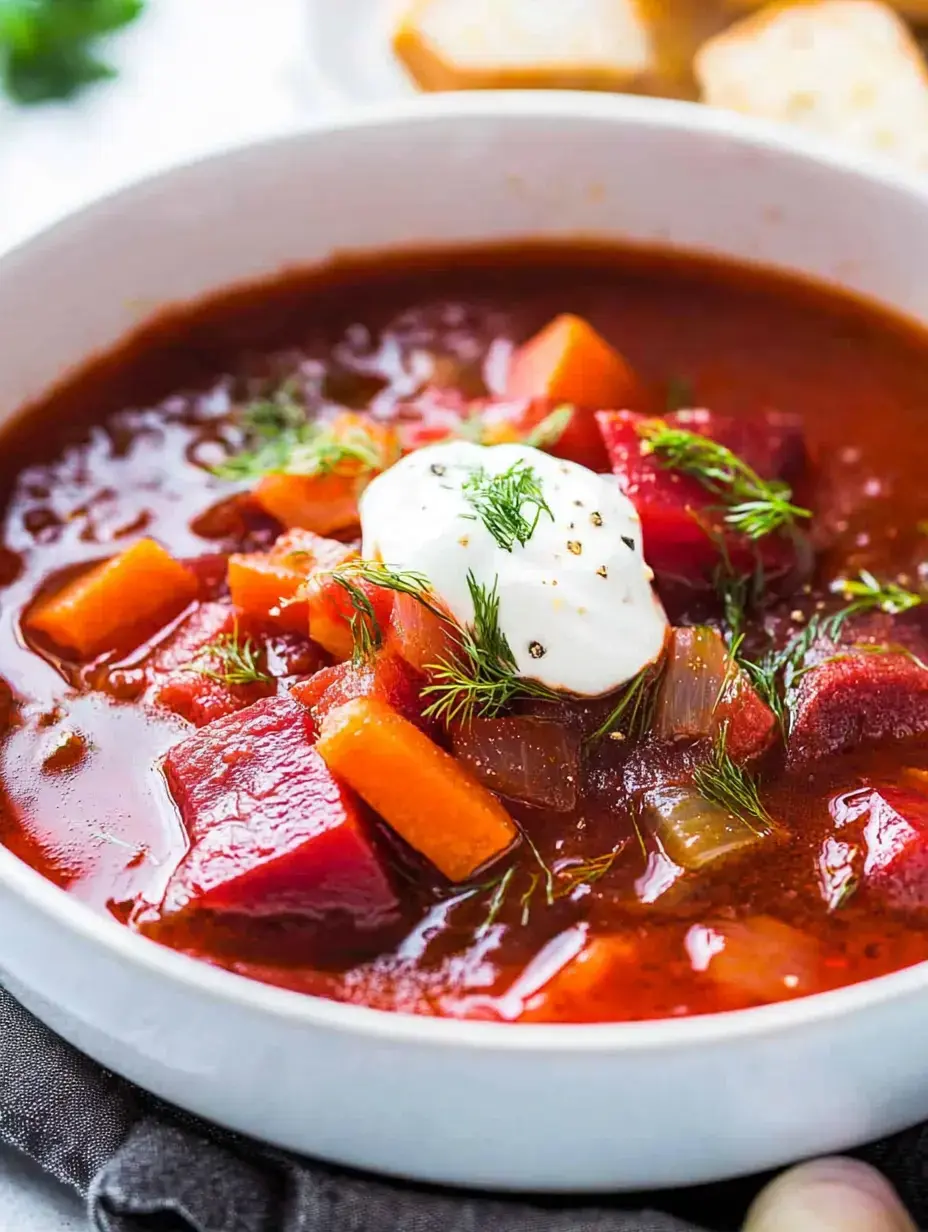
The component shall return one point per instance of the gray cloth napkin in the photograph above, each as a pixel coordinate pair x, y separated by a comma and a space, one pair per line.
143, 1167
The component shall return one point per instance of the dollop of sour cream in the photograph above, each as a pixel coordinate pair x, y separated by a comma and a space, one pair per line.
576, 603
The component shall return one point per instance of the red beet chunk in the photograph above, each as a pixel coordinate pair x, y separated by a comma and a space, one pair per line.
680, 519
750, 723
895, 839
272, 832
854, 696
387, 676
178, 668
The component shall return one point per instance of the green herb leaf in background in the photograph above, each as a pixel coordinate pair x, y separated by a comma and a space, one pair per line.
47, 47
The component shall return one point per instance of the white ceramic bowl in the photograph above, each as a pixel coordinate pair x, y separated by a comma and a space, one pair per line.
478, 1104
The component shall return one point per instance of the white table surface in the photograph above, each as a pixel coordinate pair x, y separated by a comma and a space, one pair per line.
195, 75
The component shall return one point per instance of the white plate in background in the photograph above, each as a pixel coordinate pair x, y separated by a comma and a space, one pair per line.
350, 57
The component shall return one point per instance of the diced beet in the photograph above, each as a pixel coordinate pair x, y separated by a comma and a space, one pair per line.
681, 520
855, 696
387, 676
750, 723
272, 832
176, 669
895, 835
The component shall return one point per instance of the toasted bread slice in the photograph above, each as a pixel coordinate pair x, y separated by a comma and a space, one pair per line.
634, 46
915, 10
842, 68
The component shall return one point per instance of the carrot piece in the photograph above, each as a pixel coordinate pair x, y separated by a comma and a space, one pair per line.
143, 586
570, 362
327, 500
331, 612
419, 790
268, 586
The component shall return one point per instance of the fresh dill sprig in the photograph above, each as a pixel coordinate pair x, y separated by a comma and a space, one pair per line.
238, 659
776, 674
402, 581
481, 678
755, 507
497, 901
500, 503
585, 872
556, 886
548, 431
867, 594
269, 417
366, 631
367, 635
732, 590
633, 714
723, 782
281, 440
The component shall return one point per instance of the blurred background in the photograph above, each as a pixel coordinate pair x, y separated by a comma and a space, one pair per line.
96, 93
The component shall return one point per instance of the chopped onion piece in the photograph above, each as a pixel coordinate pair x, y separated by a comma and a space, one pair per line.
524, 758
697, 667
692, 831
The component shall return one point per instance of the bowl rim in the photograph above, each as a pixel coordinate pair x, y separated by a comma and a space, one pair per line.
245, 993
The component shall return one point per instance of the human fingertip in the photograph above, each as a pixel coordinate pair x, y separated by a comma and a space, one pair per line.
829, 1195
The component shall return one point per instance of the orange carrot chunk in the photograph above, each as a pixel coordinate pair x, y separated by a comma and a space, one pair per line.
141, 589
569, 361
419, 790
327, 499
267, 586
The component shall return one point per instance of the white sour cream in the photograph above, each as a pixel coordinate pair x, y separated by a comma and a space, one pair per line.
576, 603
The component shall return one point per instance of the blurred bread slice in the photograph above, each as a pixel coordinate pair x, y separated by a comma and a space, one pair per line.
842, 68
637, 46
915, 10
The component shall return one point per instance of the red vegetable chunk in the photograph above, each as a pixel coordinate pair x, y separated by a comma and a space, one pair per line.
702, 690
272, 832
895, 841
526, 759
387, 677
188, 678
681, 520
872, 685
512, 420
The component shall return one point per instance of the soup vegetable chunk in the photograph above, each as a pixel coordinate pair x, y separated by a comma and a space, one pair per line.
533, 637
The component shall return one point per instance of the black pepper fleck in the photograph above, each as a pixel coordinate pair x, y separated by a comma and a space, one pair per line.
575, 546
438, 469
629, 542
536, 650
579, 503
596, 518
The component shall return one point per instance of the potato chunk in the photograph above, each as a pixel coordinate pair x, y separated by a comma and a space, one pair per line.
840, 68
639, 46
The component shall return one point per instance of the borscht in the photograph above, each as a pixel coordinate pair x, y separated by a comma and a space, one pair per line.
528, 635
